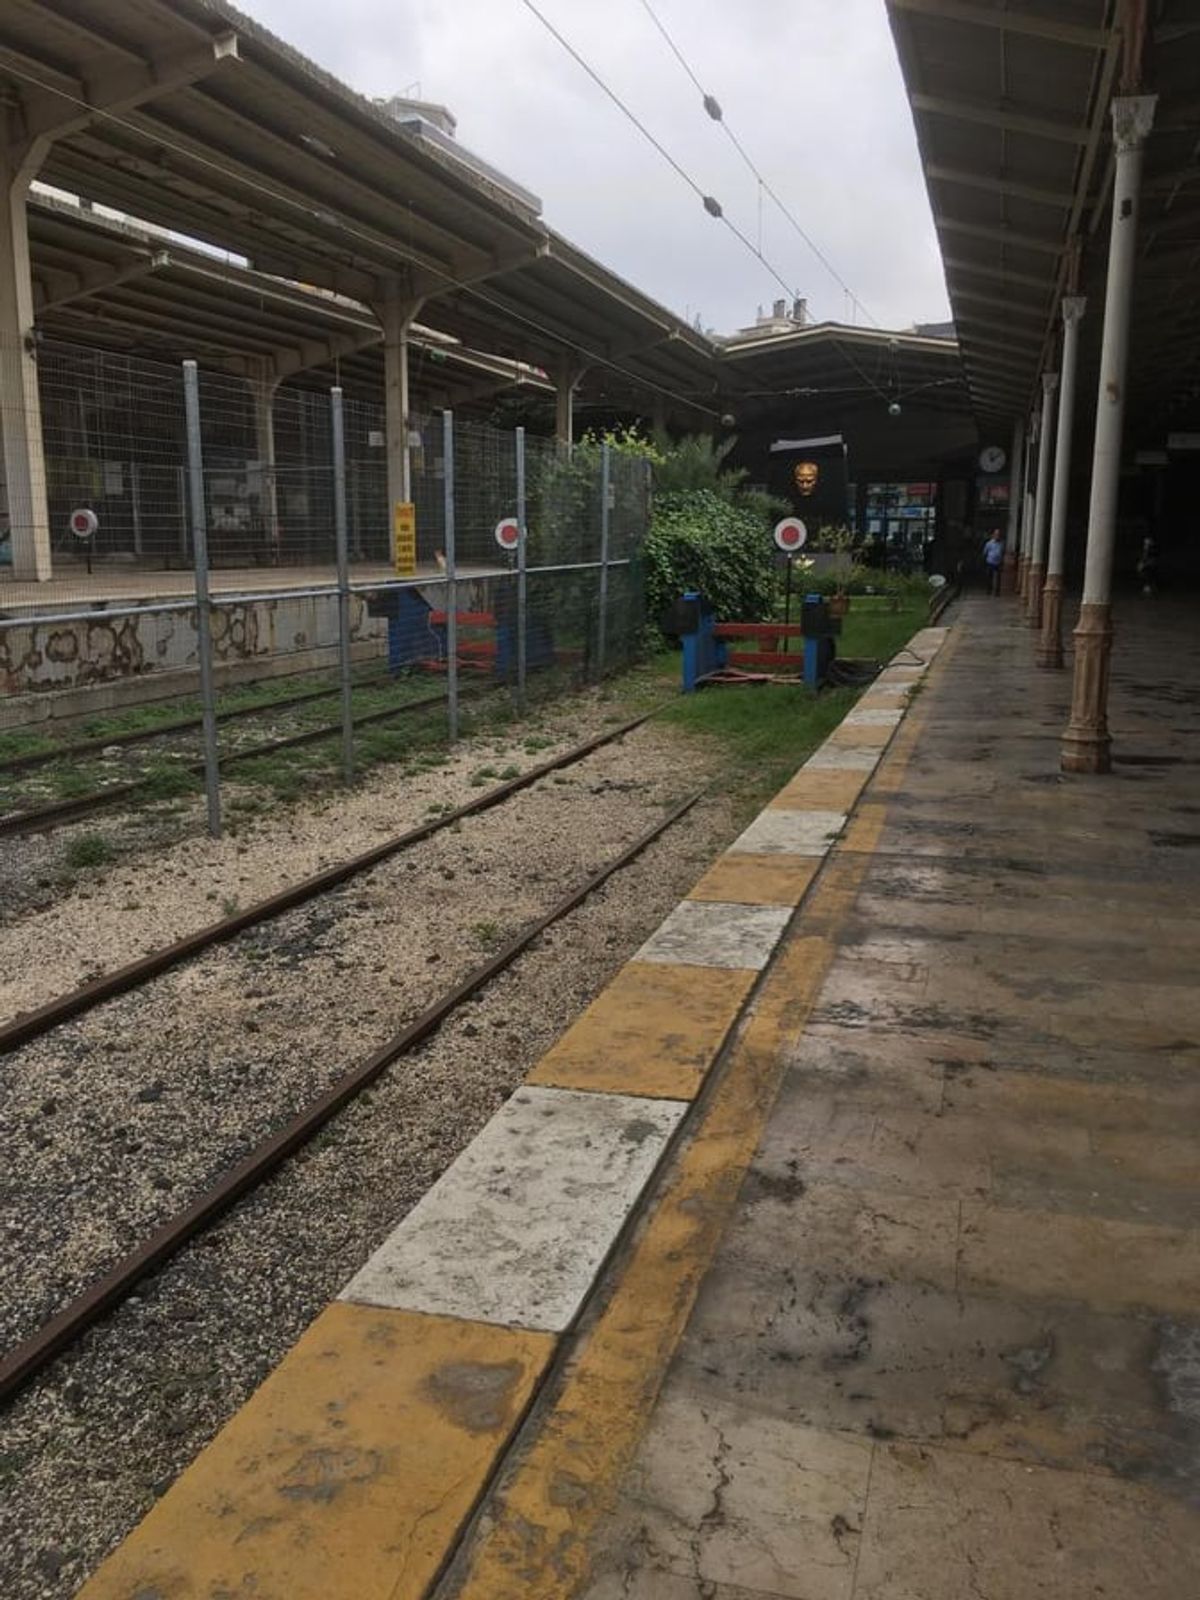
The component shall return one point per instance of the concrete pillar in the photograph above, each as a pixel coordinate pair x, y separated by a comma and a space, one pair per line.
566, 382
1050, 651
263, 390
1086, 742
20, 405
1016, 475
1041, 505
397, 315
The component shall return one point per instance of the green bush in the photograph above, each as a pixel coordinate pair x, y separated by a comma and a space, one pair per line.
699, 540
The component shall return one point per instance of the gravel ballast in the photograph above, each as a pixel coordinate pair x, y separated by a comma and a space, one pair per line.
121, 1116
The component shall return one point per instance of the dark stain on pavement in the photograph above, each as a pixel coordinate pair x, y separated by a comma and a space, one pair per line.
475, 1395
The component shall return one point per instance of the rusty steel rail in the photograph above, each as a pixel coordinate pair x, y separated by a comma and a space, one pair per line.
29, 1025
87, 747
18, 823
28, 1358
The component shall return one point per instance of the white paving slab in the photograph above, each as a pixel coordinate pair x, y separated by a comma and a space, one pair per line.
517, 1229
792, 833
843, 758
712, 933
868, 717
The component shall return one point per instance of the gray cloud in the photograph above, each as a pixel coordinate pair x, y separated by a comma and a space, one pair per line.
813, 90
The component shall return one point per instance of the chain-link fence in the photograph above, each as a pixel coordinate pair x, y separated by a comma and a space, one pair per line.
193, 532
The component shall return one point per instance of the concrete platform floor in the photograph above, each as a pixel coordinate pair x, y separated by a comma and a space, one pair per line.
950, 1347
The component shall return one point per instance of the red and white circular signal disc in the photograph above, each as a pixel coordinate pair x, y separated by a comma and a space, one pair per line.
508, 533
790, 535
83, 523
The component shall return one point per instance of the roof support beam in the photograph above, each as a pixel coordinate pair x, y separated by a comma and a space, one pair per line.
96, 280
1019, 241
997, 114
1059, 199
1006, 21
1015, 308
982, 269
1011, 335
49, 113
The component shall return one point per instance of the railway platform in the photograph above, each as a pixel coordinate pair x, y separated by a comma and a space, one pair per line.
845, 1248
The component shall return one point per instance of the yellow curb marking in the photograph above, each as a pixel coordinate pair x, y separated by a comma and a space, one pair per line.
744, 879
855, 736
348, 1473
820, 789
534, 1539
655, 1031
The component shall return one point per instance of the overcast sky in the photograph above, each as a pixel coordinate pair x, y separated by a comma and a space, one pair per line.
811, 88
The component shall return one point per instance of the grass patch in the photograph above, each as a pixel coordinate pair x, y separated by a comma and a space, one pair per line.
877, 635
168, 781
88, 850
70, 783
17, 744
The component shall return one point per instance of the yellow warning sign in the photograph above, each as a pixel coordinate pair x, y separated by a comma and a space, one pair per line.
404, 538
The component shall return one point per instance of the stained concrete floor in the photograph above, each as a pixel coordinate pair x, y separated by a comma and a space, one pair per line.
950, 1347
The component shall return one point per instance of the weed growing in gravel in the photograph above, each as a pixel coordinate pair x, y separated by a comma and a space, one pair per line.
167, 782
89, 850
487, 933
535, 743
69, 783
481, 775
508, 773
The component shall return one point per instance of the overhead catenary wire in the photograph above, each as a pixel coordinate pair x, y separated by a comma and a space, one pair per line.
312, 213
713, 107
709, 202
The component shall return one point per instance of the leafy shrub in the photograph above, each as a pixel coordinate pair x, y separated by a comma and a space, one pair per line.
722, 547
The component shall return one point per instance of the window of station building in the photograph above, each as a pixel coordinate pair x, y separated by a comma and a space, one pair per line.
901, 522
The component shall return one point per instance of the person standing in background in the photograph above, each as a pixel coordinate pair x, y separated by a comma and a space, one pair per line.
993, 556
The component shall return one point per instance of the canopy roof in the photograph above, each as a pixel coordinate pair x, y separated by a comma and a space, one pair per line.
189, 115
1012, 106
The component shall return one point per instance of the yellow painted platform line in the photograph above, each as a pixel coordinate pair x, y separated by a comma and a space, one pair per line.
820, 789
857, 736
655, 1031
533, 1541
742, 878
347, 1474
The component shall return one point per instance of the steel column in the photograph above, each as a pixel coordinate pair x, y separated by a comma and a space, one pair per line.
1086, 742
341, 526
1037, 554
208, 704
1050, 652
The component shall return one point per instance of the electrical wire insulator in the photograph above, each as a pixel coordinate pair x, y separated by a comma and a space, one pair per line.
712, 106
713, 207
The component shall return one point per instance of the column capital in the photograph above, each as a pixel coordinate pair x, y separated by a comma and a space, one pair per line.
1073, 308
1133, 117
1049, 383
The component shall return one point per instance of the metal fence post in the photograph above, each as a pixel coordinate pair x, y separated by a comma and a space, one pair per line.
212, 776
343, 578
451, 576
605, 518
522, 581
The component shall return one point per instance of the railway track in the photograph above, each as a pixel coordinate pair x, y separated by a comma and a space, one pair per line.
34, 1352
88, 747
41, 818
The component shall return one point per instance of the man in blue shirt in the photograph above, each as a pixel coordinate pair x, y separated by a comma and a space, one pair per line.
993, 555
